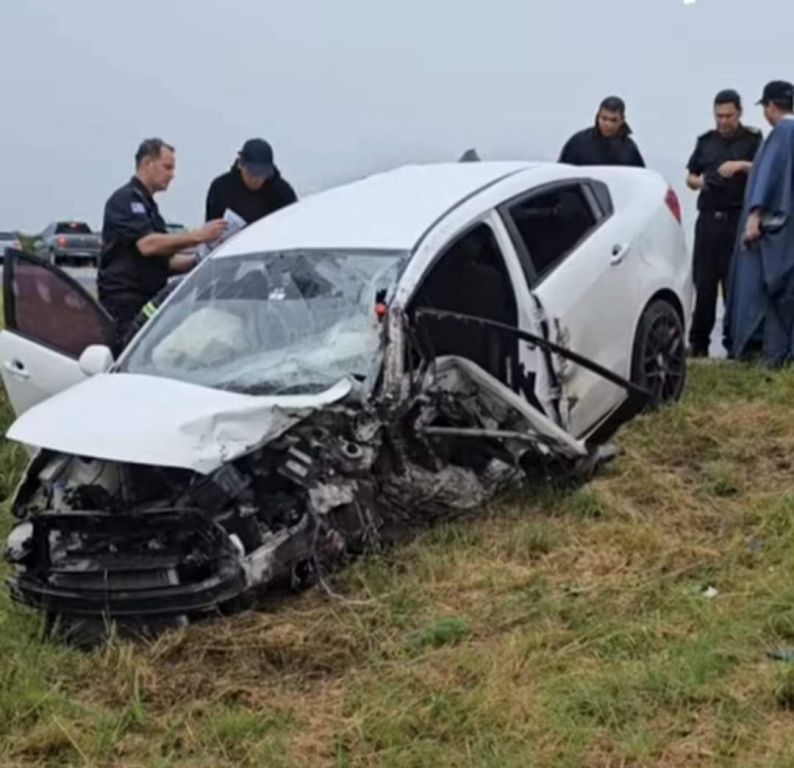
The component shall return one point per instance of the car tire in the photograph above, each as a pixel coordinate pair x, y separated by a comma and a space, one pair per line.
658, 362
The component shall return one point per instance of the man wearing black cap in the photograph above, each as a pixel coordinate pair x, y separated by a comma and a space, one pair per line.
608, 142
760, 315
718, 169
253, 188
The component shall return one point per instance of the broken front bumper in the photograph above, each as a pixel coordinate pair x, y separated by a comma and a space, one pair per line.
140, 569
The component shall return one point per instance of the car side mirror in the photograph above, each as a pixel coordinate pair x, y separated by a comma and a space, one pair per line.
95, 359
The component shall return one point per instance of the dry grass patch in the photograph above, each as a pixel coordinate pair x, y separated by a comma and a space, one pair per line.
625, 623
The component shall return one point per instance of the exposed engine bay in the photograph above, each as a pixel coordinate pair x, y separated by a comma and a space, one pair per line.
150, 546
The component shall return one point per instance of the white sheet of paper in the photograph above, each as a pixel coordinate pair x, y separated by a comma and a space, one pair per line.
234, 222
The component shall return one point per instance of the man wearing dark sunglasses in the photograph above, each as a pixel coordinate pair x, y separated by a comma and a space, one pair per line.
253, 188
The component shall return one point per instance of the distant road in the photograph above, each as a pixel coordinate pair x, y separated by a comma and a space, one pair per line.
86, 276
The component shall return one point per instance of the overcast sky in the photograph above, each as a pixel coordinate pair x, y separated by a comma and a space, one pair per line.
346, 87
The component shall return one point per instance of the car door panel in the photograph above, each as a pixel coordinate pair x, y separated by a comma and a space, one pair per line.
49, 320
32, 373
587, 301
583, 294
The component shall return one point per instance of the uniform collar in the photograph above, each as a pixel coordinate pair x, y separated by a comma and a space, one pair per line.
142, 188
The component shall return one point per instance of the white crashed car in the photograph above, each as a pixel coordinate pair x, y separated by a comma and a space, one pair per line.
359, 363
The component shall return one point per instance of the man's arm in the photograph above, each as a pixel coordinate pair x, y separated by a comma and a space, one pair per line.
212, 209
695, 181
732, 167
568, 153
288, 195
180, 263
752, 229
637, 159
161, 244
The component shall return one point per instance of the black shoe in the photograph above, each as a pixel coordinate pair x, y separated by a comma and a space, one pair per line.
694, 350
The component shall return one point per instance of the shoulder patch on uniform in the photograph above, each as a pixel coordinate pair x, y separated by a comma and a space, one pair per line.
138, 208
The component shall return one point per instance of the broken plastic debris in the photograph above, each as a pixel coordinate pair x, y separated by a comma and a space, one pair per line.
709, 592
781, 654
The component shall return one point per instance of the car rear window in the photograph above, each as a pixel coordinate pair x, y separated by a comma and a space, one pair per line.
8, 235
72, 228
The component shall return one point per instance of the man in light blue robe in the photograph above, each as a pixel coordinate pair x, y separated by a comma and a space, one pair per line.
760, 310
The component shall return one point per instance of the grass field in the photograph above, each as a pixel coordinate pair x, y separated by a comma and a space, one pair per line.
627, 623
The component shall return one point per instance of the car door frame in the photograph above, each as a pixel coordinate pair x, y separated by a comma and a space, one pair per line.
56, 367
409, 285
603, 211
9, 300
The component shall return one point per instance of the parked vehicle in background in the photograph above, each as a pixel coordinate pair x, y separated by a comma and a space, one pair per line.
8, 240
69, 242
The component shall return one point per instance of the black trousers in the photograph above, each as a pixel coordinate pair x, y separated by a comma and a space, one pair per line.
123, 309
715, 239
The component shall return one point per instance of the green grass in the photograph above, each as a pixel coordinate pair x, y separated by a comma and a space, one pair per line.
559, 628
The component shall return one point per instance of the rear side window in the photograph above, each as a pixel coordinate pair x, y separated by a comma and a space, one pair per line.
551, 224
44, 306
72, 228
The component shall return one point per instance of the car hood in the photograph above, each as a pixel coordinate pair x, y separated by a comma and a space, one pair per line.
150, 420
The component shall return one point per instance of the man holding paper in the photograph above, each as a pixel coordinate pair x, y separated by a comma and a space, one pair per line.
138, 253
252, 189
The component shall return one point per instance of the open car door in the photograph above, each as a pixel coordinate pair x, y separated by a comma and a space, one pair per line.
49, 320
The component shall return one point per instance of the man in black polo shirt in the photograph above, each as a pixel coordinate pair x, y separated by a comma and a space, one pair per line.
137, 253
253, 188
718, 169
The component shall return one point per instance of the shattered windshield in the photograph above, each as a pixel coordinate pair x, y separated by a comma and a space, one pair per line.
287, 322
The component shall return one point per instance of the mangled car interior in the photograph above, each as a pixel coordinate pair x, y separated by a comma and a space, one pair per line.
376, 417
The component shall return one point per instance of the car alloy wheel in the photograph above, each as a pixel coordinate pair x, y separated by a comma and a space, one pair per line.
659, 357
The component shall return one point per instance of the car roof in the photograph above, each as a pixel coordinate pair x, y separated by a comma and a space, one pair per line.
389, 211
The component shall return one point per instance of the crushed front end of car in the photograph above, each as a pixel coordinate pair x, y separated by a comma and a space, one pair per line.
146, 547
204, 496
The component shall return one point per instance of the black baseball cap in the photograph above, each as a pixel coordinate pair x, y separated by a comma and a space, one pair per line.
777, 90
257, 157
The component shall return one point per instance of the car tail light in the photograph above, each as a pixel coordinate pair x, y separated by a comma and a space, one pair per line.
62, 241
671, 198
17, 244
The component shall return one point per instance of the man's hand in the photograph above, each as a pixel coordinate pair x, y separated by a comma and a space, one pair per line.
696, 182
752, 230
212, 230
732, 167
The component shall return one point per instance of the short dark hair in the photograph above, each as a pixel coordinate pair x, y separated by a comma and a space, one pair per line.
150, 148
613, 104
728, 96
787, 105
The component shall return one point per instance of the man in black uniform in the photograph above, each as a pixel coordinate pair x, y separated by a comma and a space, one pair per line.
608, 142
718, 169
253, 187
137, 253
